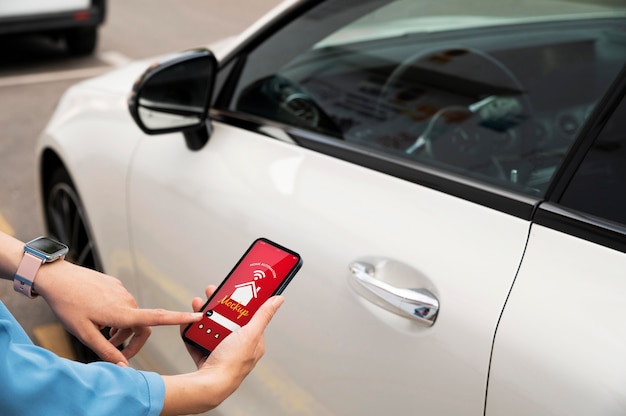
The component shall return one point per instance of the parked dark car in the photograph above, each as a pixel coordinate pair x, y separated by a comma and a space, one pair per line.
75, 22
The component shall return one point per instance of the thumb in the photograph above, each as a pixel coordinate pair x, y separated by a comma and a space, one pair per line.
266, 312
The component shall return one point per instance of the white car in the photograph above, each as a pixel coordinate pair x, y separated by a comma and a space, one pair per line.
76, 22
470, 156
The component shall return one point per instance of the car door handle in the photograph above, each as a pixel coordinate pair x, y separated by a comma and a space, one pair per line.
416, 304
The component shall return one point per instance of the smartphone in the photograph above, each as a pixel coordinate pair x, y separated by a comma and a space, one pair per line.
264, 270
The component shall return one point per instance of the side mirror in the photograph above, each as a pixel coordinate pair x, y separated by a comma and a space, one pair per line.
174, 96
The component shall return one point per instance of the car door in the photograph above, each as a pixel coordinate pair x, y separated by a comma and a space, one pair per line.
310, 148
329, 351
561, 343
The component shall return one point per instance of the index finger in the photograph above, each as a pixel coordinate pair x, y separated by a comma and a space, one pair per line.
154, 317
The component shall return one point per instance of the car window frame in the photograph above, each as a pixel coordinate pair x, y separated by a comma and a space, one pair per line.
521, 205
551, 213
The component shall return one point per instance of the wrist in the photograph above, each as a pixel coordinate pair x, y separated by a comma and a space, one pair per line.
52, 275
37, 253
195, 392
10, 255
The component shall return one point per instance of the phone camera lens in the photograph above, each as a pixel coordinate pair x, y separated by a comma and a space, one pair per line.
209, 312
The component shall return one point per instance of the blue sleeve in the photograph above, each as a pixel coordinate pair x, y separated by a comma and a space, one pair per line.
35, 381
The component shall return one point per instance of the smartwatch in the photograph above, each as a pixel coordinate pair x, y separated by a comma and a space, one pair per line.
36, 252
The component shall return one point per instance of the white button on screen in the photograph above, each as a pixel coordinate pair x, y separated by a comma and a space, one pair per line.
224, 321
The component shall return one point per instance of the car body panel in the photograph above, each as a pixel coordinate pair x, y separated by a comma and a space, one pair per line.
87, 124
79, 133
168, 221
284, 187
564, 320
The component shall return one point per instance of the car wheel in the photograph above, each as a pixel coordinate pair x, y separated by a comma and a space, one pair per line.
81, 41
66, 221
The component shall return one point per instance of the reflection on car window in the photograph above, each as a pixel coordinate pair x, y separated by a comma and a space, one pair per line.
598, 186
496, 95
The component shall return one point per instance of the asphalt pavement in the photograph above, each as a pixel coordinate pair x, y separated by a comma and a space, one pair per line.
34, 73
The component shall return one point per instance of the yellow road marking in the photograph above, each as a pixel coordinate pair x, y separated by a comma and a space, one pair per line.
54, 338
5, 227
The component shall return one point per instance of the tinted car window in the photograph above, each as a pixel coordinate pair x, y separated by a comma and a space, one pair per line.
494, 93
599, 185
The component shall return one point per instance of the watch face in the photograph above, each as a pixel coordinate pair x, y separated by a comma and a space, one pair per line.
51, 249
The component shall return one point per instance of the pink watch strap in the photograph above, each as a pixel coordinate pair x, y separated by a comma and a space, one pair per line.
25, 275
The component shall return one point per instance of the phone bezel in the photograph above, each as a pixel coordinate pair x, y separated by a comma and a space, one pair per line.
281, 287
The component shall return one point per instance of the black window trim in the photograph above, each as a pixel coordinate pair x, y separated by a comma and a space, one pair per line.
581, 225
509, 202
588, 134
268, 30
543, 211
572, 222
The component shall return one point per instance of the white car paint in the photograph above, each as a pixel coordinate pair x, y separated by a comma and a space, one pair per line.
564, 320
288, 186
169, 221
171, 188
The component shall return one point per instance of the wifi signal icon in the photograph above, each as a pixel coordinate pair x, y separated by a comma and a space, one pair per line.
258, 274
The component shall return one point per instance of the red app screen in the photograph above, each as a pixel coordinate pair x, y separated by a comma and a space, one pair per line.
263, 271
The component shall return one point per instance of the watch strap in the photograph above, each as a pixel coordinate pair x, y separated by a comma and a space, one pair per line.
25, 275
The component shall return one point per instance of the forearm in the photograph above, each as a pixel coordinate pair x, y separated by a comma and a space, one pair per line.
195, 393
55, 273
221, 373
36, 381
86, 300
11, 253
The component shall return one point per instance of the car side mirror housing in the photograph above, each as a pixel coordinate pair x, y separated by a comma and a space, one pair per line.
174, 96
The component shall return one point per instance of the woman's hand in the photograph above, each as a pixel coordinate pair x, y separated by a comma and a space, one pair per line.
220, 373
86, 301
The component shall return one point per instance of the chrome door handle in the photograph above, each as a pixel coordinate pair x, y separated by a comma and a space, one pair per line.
417, 304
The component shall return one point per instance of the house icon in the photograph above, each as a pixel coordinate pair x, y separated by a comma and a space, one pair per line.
244, 292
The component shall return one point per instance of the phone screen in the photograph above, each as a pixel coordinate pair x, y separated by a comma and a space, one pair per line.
264, 270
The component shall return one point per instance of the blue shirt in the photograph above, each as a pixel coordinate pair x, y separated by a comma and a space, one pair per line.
34, 381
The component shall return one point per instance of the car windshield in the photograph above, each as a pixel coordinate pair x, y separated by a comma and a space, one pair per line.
495, 91
405, 17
